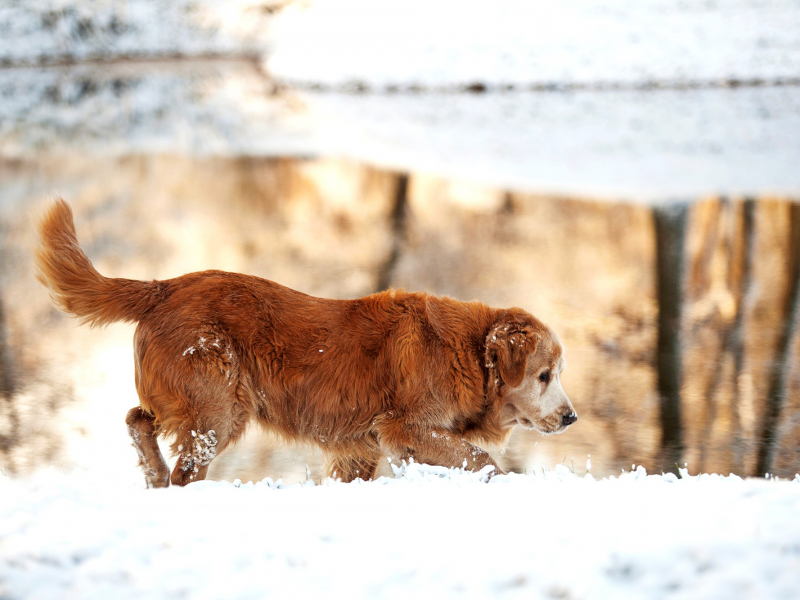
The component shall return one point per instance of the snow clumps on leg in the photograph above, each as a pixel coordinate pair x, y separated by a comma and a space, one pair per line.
201, 453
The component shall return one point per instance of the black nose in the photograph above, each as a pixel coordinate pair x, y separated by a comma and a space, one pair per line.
569, 419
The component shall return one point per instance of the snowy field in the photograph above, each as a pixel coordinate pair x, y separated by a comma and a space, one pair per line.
654, 101
448, 44
625, 143
427, 533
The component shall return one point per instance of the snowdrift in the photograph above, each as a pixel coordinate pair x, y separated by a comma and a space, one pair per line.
427, 532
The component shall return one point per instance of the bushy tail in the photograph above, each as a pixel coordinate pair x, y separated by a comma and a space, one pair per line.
75, 286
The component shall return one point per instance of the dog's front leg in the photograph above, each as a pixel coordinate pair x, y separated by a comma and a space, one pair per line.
434, 447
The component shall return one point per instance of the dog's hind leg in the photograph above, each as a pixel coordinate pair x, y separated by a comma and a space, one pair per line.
142, 429
198, 445
195, 452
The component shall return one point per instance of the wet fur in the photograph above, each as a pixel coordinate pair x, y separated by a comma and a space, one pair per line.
394, 373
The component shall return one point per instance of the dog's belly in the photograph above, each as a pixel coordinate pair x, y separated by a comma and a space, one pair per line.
317, 413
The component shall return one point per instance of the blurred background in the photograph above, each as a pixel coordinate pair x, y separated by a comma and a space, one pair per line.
628, 172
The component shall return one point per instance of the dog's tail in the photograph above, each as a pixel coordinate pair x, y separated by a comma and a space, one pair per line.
75, 285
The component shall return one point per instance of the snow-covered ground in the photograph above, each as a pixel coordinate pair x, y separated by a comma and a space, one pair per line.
451, 43
628, 143
658, 100
428, 533
39, 32
623, 144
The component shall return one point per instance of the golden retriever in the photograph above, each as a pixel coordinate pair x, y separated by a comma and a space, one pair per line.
392, 374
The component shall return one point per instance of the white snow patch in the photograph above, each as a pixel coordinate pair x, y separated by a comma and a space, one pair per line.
435, 43
42, 31
635, 536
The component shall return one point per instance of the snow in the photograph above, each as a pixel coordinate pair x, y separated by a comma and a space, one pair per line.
450, 44
656, 100
57, 31
428, 531
660, 100
631, 144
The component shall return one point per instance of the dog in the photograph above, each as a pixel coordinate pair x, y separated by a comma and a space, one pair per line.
399, 374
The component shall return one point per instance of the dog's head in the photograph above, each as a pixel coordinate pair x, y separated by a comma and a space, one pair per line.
523, 354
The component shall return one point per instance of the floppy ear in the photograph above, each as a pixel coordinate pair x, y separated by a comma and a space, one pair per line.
507, 348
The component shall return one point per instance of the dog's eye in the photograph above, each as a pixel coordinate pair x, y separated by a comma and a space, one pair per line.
545, 377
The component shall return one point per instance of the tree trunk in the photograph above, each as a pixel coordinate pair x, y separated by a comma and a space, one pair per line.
732, 336
9, 416
779, 371
670, 224
737, 331
398, 221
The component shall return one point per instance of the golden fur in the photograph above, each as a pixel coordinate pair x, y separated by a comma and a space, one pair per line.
397, 373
